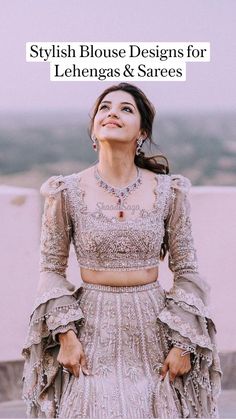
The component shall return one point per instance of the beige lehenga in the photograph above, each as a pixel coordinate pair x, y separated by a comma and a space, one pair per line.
127, 331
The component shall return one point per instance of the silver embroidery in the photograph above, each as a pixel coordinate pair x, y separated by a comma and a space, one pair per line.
105, 243
182, 252
184, 299
41, 326
185, 329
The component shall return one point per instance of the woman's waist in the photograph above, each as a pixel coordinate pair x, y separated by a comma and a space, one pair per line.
120, 278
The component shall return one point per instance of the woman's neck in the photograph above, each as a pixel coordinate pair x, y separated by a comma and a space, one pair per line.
118, 174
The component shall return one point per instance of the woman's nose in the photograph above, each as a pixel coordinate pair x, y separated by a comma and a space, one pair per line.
112, 113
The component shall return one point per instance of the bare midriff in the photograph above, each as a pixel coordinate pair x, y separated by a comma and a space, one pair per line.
120, 278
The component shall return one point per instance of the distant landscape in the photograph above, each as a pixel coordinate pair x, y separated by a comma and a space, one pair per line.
38, 145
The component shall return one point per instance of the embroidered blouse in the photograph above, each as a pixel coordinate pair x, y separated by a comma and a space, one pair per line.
101, 242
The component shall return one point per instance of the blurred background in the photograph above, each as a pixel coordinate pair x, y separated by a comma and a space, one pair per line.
43, 124
44, 132
35, 145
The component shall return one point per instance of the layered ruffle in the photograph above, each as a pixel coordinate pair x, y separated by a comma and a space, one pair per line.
42, 375
187, 317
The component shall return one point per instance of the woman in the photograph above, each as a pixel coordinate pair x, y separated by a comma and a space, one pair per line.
119, 345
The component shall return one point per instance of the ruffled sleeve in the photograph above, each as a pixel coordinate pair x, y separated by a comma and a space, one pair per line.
186, 315
56, 308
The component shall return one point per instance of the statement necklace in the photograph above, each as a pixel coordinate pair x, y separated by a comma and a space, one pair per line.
120, 193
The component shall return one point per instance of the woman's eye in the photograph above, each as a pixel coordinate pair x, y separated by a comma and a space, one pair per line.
126, 107
101, 107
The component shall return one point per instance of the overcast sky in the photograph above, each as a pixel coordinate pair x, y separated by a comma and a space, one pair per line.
209, 86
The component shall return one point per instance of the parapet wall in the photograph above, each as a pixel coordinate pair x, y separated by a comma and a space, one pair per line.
214, 231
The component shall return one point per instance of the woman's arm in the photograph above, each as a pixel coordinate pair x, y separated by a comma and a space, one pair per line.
186, 316
56, 304
182, 253
56, 232
190, 292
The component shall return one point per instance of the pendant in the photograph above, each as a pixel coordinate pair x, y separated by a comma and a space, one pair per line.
121, 214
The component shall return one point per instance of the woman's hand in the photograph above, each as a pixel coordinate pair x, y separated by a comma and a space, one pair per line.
71, 354
176, 364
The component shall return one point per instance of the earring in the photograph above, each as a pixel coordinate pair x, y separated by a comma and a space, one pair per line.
94, 140
139, 146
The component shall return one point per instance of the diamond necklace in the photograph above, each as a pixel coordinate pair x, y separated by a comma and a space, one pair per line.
120, 193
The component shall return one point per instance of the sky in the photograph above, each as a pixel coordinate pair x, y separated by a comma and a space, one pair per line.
26, 86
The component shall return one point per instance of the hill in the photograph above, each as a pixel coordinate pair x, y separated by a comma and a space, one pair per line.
34, 146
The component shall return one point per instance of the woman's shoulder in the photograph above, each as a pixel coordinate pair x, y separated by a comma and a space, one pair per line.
179, 181
57, 183
53, 185
175, 180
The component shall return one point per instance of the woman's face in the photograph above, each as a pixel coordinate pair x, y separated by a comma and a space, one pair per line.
118, 107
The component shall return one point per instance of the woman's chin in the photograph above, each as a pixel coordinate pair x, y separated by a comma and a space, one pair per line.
111, 136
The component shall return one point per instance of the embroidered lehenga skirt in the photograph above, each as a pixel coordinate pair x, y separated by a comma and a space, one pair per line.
125, 347
126, 333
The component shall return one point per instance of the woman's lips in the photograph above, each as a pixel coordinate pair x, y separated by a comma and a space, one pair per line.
111, 125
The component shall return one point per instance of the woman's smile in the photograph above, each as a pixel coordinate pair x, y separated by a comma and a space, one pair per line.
111, 125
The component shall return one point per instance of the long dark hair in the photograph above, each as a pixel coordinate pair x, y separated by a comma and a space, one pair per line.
147, 113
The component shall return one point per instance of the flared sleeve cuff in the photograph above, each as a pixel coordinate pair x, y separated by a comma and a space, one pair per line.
42, 375
57, 309
189, 325
186, 314
52, 314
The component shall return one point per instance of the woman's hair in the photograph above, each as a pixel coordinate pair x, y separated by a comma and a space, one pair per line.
147, 113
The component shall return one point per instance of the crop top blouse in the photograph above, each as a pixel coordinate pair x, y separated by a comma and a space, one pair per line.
103, 242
